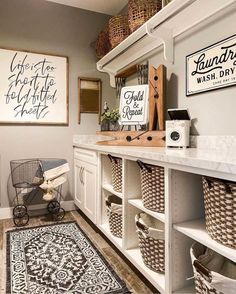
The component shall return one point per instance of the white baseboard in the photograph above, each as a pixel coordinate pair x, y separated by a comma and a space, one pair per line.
7, 211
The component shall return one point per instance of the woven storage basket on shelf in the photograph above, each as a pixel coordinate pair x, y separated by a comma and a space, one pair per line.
220, 210
213, 273
151, 241
114, 210
116, 172
152, 186
139, 11
118, 29
102, 46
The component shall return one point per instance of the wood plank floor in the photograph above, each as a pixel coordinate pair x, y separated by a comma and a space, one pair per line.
125, 272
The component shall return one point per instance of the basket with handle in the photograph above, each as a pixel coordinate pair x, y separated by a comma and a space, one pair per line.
151, 241
220, 210
116, 172
118, 29
213, 273
114, 211
139, 11
152, 186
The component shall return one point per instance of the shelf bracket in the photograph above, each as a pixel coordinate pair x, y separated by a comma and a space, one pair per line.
166, 37
110, 73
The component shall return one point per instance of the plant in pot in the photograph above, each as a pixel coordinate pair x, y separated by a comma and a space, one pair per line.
109, 120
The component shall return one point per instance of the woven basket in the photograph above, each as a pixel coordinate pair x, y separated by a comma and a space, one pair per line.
209, 278
102, 46
151, 241
139, 11
118, 29
114, 210
116, 172
220, 210
152, 186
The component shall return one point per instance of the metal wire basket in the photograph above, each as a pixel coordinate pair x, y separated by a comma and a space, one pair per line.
27, 175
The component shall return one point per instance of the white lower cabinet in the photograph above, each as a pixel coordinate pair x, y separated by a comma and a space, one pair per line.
85, 179
183, 218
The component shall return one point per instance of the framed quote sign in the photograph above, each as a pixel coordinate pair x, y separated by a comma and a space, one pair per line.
212, 67
33, 88
134, 105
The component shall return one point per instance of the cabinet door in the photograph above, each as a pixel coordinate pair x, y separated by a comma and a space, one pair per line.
79, 187
89, 180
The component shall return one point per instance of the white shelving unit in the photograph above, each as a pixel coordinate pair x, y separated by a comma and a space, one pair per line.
132, 204
138, 203
157, 279
106, 231
186, 290
109, 188
196, 230
161, 30
183, 219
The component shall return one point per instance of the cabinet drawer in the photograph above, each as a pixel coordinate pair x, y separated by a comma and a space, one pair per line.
85, 155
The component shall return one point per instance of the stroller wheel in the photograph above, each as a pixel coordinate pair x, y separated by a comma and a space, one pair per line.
21, 221
59, 215
53, 207
19, 211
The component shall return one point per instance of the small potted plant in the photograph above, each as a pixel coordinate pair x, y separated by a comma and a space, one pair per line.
109, 120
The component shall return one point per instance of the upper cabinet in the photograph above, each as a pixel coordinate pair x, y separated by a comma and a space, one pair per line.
176, 18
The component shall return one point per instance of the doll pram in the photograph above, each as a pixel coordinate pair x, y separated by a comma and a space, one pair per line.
32, 178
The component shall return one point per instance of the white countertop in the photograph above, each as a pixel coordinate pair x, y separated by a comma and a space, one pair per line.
217, 160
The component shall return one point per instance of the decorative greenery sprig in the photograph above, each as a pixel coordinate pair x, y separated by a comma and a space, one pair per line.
112, 115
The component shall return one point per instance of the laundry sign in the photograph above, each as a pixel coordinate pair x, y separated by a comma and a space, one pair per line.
134, 105
212, 67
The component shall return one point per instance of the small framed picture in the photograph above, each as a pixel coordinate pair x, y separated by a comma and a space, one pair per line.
134, 105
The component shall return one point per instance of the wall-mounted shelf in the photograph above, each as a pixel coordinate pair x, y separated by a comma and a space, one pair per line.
196, 230
176, 18
109, 188
139, 204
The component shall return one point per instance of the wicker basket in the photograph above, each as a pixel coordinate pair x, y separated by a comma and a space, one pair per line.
220, 210
102, 46
118, 29
152, 186
151, 241
213, 273
114, 210
116, 172
139, 11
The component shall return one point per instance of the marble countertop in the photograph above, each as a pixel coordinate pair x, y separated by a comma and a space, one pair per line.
212, 159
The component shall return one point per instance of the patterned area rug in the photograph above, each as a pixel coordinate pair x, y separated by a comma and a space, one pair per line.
57, 259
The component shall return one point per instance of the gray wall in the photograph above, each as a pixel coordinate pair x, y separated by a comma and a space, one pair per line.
213, 112
51, 28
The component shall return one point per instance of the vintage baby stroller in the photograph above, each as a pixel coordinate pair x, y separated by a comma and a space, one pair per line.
37, 178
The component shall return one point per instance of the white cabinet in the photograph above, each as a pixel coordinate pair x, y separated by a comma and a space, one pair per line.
183, 217
85, 179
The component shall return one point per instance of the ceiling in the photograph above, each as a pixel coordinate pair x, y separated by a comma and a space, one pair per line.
110, 7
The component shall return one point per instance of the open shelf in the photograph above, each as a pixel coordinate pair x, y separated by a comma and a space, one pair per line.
157, 279
138, 203
109, 188
170, 22
186, 290
115, 240
196, 230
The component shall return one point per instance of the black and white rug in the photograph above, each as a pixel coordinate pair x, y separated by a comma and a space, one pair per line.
57, 259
